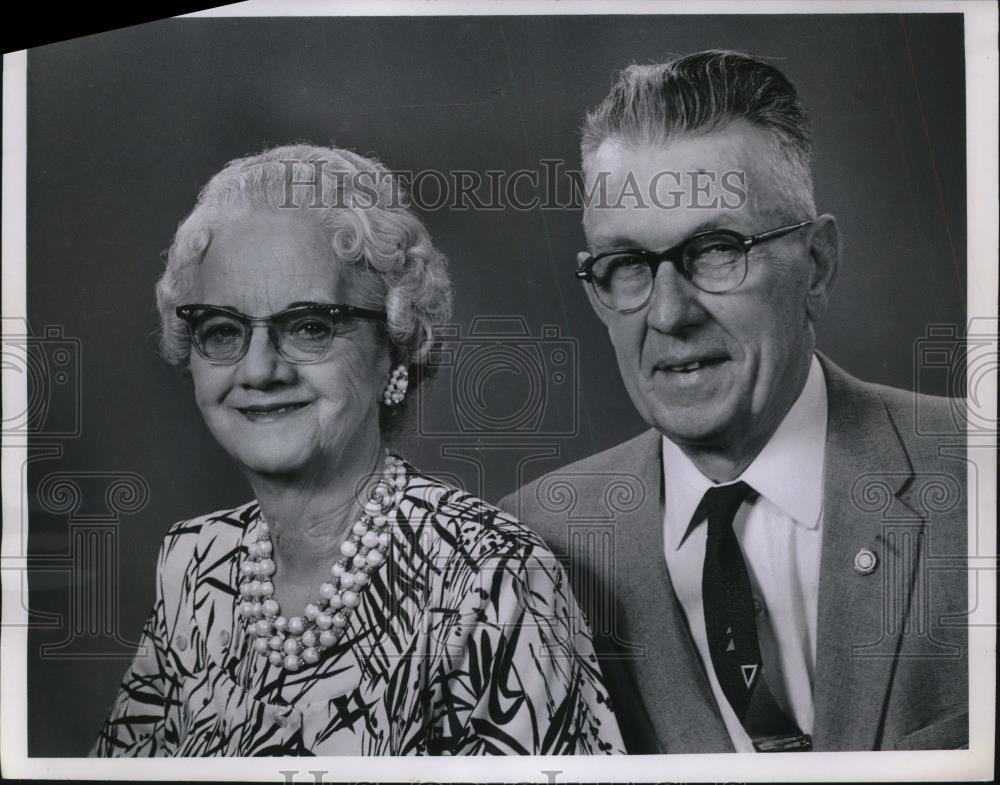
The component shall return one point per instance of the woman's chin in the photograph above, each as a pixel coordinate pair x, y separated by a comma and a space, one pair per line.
271, 461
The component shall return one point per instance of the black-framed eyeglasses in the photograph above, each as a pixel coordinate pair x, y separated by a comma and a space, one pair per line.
301, 334
713, 261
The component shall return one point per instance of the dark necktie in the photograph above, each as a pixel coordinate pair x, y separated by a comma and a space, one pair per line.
731, 627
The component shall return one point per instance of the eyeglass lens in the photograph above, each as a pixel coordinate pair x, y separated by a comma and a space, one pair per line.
714, 263
302, 334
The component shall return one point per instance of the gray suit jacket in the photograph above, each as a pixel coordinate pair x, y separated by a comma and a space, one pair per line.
891, 666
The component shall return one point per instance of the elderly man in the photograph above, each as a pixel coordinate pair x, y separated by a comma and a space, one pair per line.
774, 578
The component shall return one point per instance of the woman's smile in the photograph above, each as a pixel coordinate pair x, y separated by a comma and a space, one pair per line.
271, 412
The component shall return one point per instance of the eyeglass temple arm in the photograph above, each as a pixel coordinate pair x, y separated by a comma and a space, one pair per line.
773, 234
364, 313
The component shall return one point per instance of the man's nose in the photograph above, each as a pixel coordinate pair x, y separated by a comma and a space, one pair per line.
263, 365
675, 303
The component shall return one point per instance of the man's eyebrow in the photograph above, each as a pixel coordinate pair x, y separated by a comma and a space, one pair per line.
616, 241
624, 241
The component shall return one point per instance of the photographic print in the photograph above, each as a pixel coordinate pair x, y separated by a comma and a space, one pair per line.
607, 388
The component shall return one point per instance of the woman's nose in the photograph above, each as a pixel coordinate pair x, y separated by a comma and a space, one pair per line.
263, 364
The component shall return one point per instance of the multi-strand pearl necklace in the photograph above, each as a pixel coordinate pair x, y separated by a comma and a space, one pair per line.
300, 640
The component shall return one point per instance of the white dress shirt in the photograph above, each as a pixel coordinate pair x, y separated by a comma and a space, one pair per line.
780, 532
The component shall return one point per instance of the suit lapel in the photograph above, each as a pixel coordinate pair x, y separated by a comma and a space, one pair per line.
669, 678
858, 631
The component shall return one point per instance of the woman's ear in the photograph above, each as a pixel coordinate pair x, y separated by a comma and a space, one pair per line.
399, 355
824, 254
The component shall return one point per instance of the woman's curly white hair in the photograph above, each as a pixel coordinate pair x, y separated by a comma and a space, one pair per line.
365, 213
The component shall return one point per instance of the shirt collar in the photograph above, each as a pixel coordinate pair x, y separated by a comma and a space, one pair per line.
788, 472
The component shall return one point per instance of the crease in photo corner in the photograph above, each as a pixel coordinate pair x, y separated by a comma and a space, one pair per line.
923, 764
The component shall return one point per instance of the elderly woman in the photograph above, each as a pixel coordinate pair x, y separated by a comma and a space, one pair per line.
355, 605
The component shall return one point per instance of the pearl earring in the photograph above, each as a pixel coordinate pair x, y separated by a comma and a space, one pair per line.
395, 389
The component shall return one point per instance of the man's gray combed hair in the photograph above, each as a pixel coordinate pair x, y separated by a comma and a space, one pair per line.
385, 248
703, 92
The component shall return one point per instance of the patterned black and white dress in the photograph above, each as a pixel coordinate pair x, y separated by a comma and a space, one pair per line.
466, 641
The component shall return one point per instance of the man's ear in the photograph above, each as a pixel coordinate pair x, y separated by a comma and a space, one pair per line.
601, 311
824, 252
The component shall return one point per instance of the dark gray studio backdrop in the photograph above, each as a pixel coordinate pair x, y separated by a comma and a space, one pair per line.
124, 128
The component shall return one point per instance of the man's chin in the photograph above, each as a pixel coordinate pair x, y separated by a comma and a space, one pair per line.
691, 426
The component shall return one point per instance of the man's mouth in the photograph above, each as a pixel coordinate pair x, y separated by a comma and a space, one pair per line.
689, 366
692, 366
